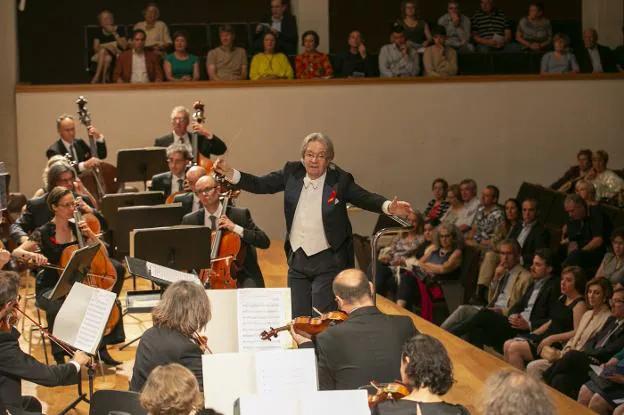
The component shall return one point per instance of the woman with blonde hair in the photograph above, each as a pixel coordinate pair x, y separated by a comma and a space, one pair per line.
171, 390
183, 312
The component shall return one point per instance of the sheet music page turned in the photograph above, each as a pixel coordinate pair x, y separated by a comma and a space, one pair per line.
83, 316
258, 310
169, 275
286, 371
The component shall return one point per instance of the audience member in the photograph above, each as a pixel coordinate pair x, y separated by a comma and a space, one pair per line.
587, 192
171, 390
283, 24
227, 62
598, 293
491, 29
605, 388
355, 62
270, 64
427, 369
157, 38
455, 203
172, 181
437, 207
560, 60
488, 220
468, 189
612, 265
311, 63
108, 43
565, 319
594, 57
511, 392
138, 65
534, 30
513, 218
438, 59
607, 182
582, 240
398, 58
457, 28
578, 171
428, 231
416, 30
181, 65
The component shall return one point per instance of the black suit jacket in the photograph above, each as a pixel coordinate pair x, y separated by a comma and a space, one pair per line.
544, 303
288, 37
161, 346
614, 344
187, 202
606, 59
252, 237
367, 346
16, 365
206, 147
538, 238
340, 188
162, 182
82, 150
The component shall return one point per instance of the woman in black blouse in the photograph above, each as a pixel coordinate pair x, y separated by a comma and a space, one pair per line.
108, 43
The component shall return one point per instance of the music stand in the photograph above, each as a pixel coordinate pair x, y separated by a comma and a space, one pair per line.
76, 269
140, 164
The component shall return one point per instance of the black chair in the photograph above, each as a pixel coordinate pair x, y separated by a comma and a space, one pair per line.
119, 402
241, 31
474, 64
199, 37
511, 63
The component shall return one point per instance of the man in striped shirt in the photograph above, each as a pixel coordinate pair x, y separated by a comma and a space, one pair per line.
491, 30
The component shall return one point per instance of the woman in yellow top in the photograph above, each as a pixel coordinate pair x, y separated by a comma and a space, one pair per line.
269, 64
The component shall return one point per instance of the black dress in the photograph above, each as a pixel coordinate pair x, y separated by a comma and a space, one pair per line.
407, 407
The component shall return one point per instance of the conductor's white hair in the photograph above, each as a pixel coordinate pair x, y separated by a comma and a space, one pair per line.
322, 138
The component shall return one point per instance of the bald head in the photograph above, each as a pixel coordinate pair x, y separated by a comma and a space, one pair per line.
205, 181
193, 174
352, 287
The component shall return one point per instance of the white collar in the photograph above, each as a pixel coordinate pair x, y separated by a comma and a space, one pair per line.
177, 137
217, 213
67, 144
319, 181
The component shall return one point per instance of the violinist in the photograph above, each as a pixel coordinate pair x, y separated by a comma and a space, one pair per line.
190, 201
171, 182
45, 246
367, 346
15, 365
77, 147
183, 312
427, 369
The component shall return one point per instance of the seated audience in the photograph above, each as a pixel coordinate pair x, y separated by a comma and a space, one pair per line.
172, 182
513, 218
511, 392
457, 28
468, 190
534, 30
438, 59
355, 62
560, 60
183, 311
566, 182
343, 360
598, 293
612, 265
582, 240
455, 203
171, 390
311, 63
569, 373
601, 392
157, 38
398, 58
181, 65
270, 64
607, 182
283, 24
227, 62
488, 220
594, 57
565, 319
437, 207
138, 65
416, 30
108, 43
508, 286
427, 369
491, 29
428, 231
587, 192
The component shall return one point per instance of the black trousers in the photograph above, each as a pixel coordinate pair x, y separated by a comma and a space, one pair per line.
487, 327
569, 373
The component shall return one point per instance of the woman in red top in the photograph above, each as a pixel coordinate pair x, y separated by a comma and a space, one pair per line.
312, 63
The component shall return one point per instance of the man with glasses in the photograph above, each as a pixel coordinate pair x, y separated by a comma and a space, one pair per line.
235, 219
319, 242
171, 182
190, 201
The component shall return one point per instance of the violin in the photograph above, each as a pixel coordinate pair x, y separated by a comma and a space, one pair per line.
202, 342
387, 392
308, 325
198, 117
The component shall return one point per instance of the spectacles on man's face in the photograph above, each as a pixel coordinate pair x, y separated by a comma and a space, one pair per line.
205, 191
312, 156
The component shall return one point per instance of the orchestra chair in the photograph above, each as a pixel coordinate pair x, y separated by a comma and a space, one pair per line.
105, 402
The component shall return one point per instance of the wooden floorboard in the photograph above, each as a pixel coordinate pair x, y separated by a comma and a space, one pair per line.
472, 366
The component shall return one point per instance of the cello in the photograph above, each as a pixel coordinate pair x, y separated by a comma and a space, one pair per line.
198, 117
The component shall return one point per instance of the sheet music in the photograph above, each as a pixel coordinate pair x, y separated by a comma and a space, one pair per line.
258, 310
169, 275
352, 402
227, 376
286, 371
222, 330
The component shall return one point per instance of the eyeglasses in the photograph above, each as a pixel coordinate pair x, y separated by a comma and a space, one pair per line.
176, 161
66, 205
312, 156
205, 191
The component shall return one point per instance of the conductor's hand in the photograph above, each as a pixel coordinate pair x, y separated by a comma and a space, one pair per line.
81, 358
399, 207
225, 223
220, 166
299, 337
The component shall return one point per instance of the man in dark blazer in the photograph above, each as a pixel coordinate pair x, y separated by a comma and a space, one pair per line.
123, 72
16, 365
283, 24
593, 57
200, 140
178, 158
77, 148
574, 173
237, 220
530, 234
189, 200
319, 240
367, 346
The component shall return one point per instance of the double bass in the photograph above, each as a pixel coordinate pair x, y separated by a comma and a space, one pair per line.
198, 117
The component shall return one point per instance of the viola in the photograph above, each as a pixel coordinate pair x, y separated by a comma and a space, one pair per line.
308, 325
387, 391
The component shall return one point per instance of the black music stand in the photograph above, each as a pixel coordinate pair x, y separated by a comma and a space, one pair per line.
140, 164
75, 271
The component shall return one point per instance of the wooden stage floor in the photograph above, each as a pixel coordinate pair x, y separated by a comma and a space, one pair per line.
471, 365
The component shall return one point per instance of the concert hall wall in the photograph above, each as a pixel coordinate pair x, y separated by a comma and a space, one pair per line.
394, 137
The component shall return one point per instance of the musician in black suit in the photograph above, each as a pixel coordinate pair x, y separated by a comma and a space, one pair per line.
184, 310
237, 220
190, 201
15, 365
283, 24
178, 158
77, 147
319, 241
367, 346
199, 140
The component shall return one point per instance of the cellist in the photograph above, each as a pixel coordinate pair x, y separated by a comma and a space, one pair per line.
172, 181
235, 219
45, 246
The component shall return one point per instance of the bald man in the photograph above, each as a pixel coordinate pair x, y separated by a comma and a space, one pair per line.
235, 219
367, 346
190, 200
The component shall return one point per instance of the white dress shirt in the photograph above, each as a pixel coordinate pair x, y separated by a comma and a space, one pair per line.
184, 140
176, 186
217, 214
139, 69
